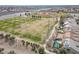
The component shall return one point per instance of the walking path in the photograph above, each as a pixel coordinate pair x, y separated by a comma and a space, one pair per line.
50, 37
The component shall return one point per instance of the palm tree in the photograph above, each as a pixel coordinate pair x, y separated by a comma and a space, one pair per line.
27, 43
23, 42
1, 36
20, 15
11, 40
25, 13
37, 46
39, 16
33, 16
33, 48
36, 51
7, 36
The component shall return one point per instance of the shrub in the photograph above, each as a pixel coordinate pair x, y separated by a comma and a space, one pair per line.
15, 32
11, 52
41, 50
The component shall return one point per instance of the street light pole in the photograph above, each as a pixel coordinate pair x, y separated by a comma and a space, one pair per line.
48, 28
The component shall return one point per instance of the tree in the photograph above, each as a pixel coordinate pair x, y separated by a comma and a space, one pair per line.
23, 42
20, 15
11, 52
7, 36
33, 16
36, 51
39, 16
33, 48
28, 14
11, 40
62, 51
1, 49
1, 36
27, 43
41, 50
25, 13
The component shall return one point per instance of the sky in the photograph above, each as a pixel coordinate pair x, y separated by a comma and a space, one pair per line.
39, 2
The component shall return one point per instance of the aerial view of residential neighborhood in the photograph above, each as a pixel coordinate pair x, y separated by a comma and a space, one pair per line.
39, 29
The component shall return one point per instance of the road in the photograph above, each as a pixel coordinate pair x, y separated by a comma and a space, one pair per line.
72, 40
3, 17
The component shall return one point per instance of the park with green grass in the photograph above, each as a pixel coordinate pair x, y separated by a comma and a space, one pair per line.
31, 27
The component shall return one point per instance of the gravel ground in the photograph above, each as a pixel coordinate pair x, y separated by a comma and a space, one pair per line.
18, 48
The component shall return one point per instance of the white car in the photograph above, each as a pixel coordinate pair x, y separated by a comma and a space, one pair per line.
66, 43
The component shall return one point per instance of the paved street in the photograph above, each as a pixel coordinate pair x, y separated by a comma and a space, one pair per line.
72, 35
2, 17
